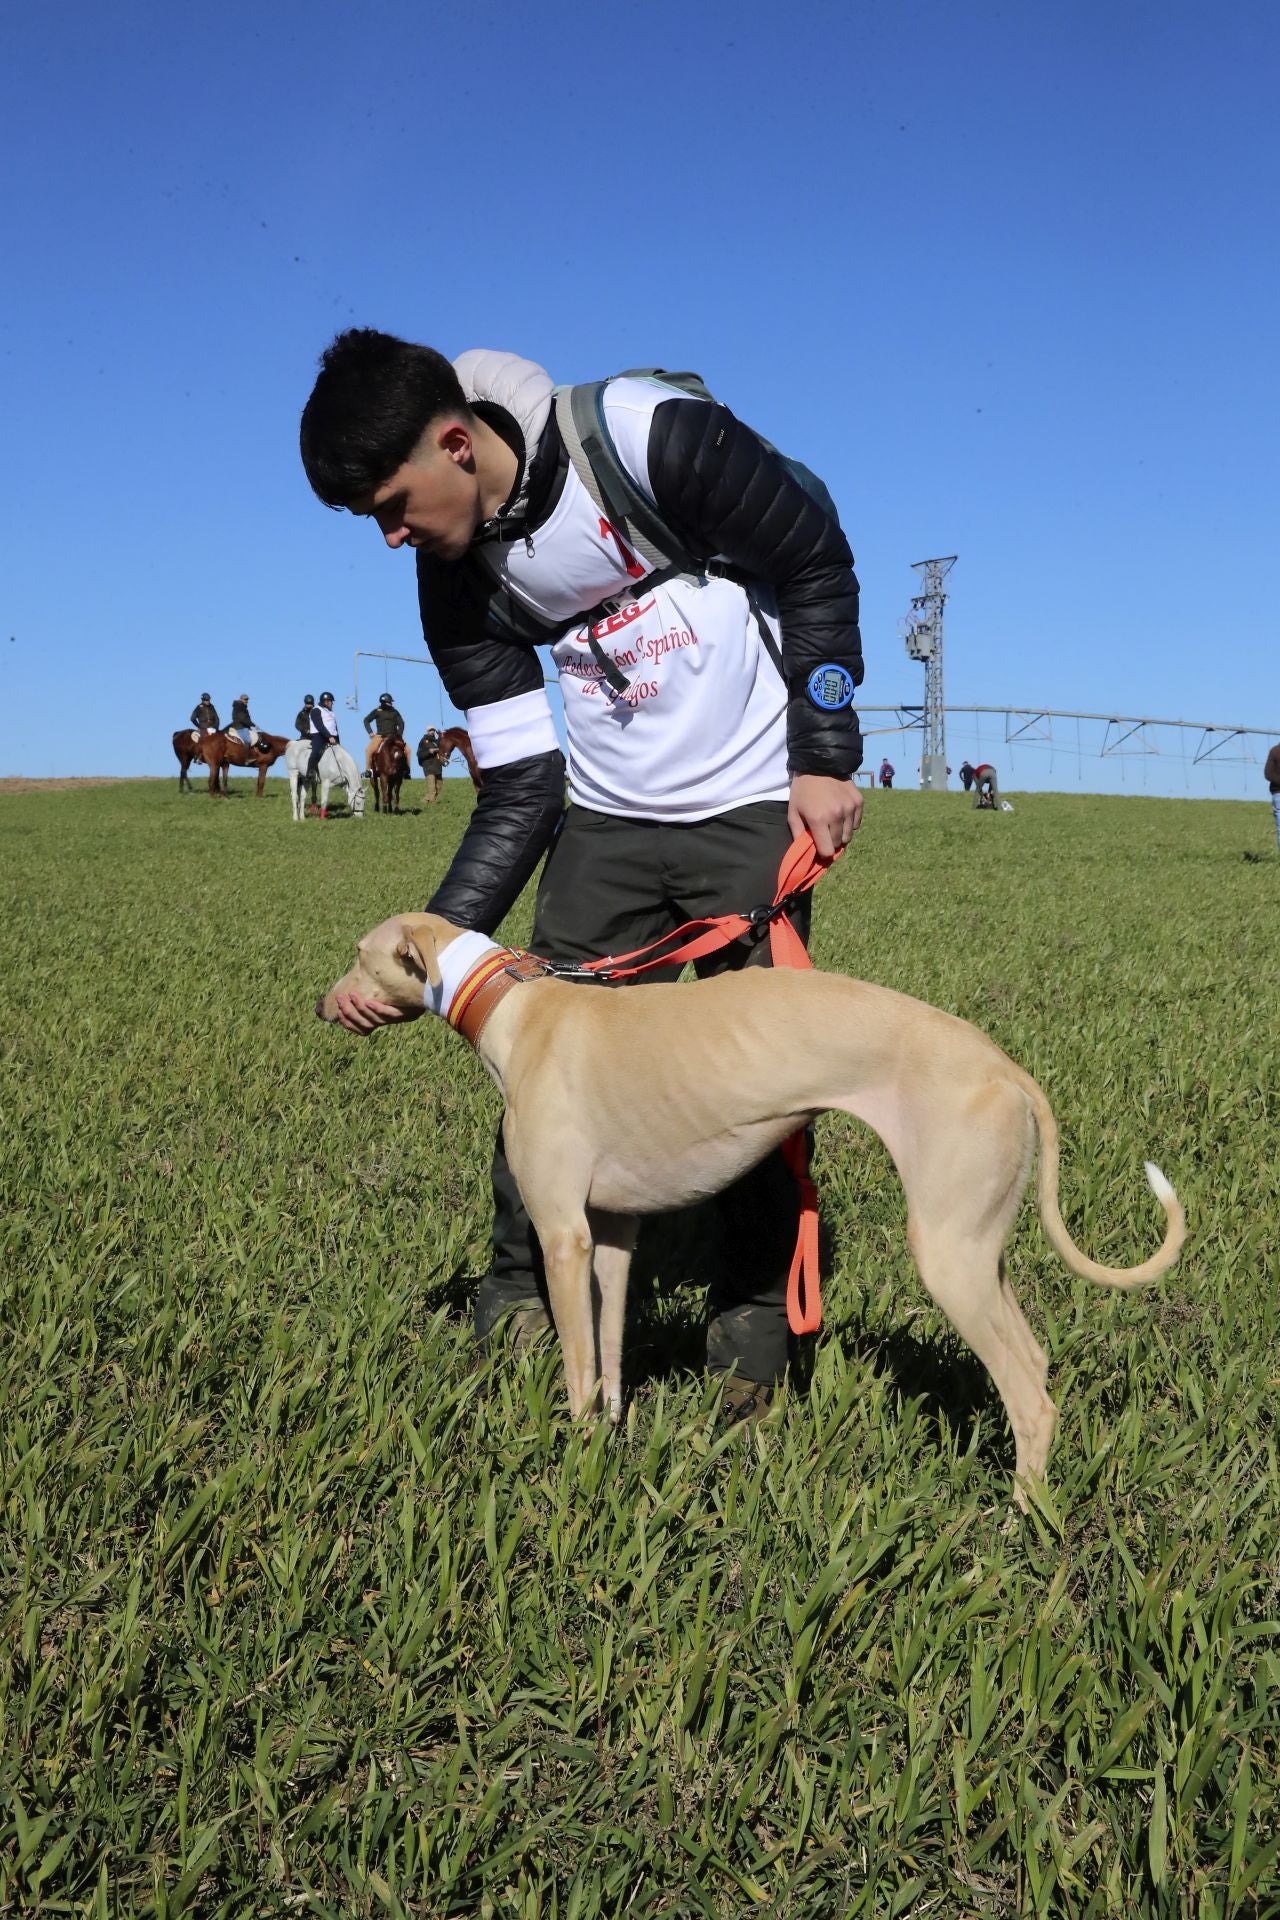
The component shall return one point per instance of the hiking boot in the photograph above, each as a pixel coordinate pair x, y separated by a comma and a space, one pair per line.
744, 1402
509, 1313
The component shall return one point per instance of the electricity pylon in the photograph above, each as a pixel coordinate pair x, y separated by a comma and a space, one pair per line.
923, 636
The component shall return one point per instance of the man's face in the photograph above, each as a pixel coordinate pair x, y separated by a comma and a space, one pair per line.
433, 500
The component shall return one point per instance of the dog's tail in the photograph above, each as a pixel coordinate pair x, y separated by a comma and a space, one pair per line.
1051, 1219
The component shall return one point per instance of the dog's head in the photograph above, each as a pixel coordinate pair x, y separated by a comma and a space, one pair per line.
394, 963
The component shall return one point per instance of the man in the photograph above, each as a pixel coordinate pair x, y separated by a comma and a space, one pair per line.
204, 716
986, 791
324, 733
887, 771
708, 712
302, 719
966, 775
1271, 774
242, 720
380, 723
430, 762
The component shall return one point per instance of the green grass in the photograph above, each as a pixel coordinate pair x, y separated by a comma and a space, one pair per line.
301, 1615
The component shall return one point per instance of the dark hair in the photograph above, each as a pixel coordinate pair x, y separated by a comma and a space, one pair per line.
374, 398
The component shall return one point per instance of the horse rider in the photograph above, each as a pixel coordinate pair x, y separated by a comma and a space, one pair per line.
302, 719
385, 721
242, 720
429, 759
324, 733
204, 717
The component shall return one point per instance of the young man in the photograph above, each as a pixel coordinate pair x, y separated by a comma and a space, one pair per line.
302, 719
708, 713
204, 715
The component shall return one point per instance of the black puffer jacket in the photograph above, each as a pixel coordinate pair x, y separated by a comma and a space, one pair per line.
724, 494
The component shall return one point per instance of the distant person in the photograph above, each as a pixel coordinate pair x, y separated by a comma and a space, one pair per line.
324, 733
430, 761
383, 722
205, 715
966, 775
887, 771
242, 720
985, 787
302, 719
1271, 774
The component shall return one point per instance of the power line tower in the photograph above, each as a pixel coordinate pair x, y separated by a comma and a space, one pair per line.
922, 631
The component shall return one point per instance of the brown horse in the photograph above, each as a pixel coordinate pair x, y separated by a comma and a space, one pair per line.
389, 767
226, 749
459, 737
186, 744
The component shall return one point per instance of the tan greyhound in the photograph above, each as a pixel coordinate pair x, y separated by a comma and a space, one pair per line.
621, 1104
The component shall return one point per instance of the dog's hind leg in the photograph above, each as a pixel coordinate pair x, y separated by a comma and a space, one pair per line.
963, 1186
967, 1279
615, 1237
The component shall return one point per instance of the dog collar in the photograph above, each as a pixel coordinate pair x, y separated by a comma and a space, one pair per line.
476, 973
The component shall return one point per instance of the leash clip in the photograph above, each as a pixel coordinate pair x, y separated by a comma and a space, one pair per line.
575, 970
760, 919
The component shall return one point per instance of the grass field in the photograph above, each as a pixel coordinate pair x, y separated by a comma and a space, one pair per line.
302, 1615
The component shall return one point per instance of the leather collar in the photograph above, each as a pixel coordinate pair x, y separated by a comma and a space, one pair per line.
489, 982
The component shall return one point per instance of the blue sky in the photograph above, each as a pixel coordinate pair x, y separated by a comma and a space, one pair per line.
1005, 275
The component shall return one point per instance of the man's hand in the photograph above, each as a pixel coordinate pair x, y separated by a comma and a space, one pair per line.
829, 809
359, 1015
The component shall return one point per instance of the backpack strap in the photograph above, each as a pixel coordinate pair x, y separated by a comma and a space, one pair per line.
580, 418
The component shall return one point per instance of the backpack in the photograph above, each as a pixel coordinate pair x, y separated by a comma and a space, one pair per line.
580, 418
581, 421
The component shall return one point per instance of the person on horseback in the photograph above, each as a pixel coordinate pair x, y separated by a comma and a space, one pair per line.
324, 733
242, 720
380, 723
204, 717
302, 720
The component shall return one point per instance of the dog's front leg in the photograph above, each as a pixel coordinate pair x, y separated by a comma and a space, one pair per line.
566, 1254
615, 1236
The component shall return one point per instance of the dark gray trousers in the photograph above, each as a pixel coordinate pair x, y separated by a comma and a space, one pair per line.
610, 885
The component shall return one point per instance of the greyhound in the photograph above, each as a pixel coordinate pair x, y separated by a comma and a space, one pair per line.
622, 1104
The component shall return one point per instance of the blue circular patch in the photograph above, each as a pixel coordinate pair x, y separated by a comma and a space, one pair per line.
831, 687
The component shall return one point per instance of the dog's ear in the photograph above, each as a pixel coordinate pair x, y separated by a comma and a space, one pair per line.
419, 950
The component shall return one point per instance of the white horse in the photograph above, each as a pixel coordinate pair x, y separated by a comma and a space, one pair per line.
337, 768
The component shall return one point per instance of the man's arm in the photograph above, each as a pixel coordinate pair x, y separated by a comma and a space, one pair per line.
370, 718
498, 684
727, 495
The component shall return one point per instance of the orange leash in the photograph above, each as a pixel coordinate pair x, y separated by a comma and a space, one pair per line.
802, 867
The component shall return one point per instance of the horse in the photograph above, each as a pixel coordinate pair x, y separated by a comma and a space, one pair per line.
186, 744
389, 768
459, 737
226, 749
337, 768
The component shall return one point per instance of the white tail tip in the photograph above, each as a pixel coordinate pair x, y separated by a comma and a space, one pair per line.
1163, 1192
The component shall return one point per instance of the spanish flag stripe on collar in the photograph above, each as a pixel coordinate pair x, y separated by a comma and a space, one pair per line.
493, 963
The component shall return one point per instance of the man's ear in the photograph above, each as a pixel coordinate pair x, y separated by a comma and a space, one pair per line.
419, 949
